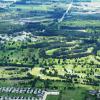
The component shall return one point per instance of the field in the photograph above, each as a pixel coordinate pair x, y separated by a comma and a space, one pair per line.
50, 97
36, 50
33, 7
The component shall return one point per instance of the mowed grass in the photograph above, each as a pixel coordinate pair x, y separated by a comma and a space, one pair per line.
33, 7
82, 23
36, 71
77, 94
52, 97
50, 52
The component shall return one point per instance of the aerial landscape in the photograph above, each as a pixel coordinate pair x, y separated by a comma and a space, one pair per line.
49, 49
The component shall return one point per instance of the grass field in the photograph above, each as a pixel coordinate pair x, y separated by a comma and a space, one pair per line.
79, 23
50, 52
33, 7
52, 97
79, 93
67, 68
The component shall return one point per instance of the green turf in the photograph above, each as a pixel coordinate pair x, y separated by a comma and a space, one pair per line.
52, 97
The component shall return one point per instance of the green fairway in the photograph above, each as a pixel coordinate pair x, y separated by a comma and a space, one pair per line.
50, 52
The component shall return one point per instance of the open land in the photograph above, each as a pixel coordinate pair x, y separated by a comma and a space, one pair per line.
39, 50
